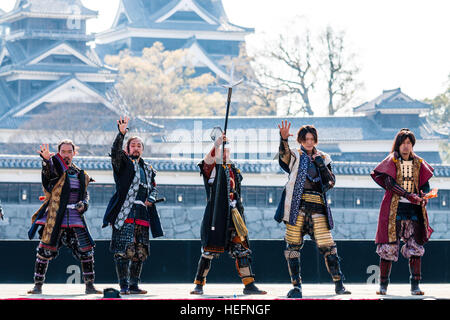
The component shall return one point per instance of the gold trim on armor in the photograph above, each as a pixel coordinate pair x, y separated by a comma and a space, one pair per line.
294, 233
321, 232
313, 198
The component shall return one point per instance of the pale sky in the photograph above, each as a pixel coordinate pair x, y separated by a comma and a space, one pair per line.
399, 43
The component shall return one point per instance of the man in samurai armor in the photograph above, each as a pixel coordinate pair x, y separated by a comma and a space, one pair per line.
403, 215
131, 212
60, 219
304, 208
227, 230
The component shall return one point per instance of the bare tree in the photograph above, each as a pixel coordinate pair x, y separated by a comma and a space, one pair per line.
339, 68
252, 97
82, 123
293, 71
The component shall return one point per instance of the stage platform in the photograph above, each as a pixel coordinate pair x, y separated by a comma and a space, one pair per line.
213, 291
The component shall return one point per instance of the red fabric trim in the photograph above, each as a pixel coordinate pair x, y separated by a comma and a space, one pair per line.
41, 245
72, 226
62, 162
138, 221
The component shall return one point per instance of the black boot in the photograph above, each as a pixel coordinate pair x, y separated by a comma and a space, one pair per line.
250, 288
339, 288
198, 289
415, 290
37, 289
122, 270
135, 277
90, 289
295, 292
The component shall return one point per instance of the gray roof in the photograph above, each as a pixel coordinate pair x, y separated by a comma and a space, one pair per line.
63, 7
189, 165
144, 13
331, 128
392, 99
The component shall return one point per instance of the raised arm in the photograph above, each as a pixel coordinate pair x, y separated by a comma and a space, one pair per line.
117, 153
209, 161
284, 152
49, 174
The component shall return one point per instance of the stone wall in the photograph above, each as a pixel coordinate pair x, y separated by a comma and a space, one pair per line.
184, 222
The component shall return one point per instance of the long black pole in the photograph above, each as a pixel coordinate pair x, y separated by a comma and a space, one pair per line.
220, 171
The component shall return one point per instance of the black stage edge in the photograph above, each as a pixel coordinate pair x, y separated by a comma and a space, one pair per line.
228, 309
175, 261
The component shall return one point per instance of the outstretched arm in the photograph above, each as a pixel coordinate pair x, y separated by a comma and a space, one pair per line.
209, 161
117, 146
49, 174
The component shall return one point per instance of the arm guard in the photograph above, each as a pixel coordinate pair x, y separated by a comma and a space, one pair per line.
117, 152
153, 193
391, 185
284, 155
328, 177
49, 174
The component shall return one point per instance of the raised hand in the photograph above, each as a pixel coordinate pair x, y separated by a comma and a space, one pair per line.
45, 152
284, 130
122, 124
219, 141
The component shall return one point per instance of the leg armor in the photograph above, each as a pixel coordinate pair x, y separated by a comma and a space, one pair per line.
332, 262
334, 269
385, 272
135, 272
135, 277
241, 254
322, 234
292, 255
204, 265
122, 270
40, 270
87, 266
416, 276
43, 257
294, 234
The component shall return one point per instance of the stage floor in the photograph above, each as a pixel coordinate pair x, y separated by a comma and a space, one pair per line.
226, 291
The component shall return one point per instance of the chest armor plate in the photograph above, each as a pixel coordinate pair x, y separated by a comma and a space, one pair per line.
407, 173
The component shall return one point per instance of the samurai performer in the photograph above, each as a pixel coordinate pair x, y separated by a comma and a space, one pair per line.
60, 219
230, 233
403, 215
304, 208
131, 212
